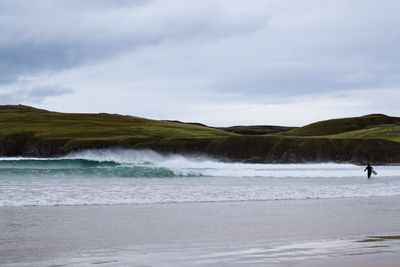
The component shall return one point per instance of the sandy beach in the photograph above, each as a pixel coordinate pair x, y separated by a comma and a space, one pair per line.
321, 232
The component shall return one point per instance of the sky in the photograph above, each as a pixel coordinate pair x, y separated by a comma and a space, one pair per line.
218, 62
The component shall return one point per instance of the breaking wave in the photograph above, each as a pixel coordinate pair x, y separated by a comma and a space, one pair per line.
132, 163
108, 177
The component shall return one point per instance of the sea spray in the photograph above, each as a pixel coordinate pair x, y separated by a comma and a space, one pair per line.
99, 177
202, 166
147, 163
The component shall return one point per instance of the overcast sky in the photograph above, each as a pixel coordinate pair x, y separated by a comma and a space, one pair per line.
216, 62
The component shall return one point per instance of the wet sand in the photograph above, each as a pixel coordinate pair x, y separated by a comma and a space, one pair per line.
322, 232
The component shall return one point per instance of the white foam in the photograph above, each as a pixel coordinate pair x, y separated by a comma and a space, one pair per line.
49, 191
202, 166
217, 181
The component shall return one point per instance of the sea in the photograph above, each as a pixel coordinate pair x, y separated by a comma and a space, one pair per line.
109, 177
116, 208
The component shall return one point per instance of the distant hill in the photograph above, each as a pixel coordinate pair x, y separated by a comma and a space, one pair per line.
27, 131
383, 131
339, 126
246, 130
43, 123
19, 109
257, 129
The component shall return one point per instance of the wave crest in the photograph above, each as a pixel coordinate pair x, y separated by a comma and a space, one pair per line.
146, 163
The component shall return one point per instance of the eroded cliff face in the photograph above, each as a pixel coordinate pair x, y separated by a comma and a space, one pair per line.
302, 150
252, 149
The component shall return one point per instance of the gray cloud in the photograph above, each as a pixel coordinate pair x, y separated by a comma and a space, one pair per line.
175, 59
34, 95
48, 91
53, 36
299, 45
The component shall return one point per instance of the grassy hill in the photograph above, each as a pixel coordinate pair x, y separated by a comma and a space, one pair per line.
256, 129
246, 130
345, 125
27, 131
30, 131
42, 123
384, 131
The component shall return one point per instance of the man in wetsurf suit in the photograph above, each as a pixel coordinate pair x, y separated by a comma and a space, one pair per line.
369, 169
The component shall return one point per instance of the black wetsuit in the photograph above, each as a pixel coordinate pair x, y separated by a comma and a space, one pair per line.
369, 169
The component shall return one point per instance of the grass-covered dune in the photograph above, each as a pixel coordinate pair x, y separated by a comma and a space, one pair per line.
344, 125
26, 131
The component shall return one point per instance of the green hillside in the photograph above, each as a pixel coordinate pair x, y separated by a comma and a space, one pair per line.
257, 129
42, 123
356, 127
27, 131
384, 131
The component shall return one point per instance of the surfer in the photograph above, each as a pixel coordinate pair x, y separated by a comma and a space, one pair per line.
369, 169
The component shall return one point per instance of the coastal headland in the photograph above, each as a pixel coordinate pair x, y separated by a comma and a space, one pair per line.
32, 132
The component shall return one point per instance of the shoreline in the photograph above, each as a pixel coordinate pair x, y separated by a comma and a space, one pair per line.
200, 202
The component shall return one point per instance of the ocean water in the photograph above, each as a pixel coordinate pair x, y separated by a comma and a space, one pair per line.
101, 177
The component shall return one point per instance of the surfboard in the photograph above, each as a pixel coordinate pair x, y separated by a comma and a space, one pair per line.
374, 172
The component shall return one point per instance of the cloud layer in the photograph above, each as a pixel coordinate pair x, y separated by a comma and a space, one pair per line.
214, 61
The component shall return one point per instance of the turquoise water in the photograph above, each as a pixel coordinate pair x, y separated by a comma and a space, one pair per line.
77, 167
141, 177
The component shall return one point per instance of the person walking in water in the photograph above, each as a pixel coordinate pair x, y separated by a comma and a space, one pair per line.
369, 169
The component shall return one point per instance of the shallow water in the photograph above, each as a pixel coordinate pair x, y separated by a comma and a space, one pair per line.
261, 233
